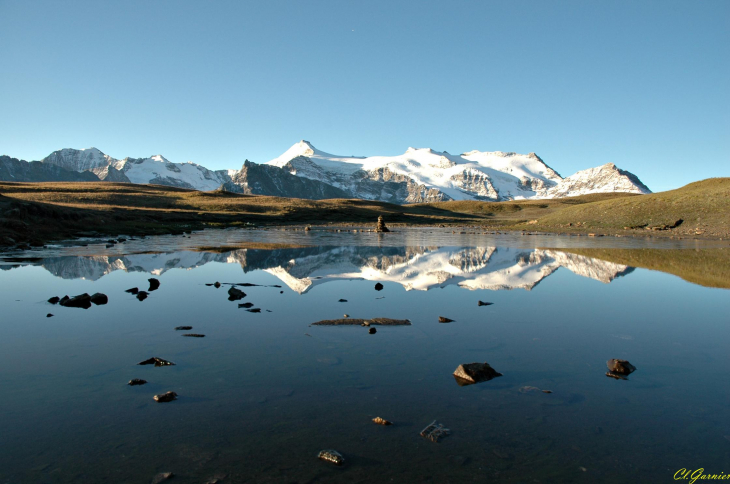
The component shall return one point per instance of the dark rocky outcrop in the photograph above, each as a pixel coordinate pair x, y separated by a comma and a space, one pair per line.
142, 295
99, 299
154, 284
471, 373
54, 300
382, 421
619, 369
245, 305
132, 290
81, 301
15, 170
235, 294
372, 331
378, 287
136, 381
49, 315
482, 303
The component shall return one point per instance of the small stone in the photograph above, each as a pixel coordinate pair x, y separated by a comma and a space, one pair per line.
235, 294
49, 315
217, 284
183, 328
381, 225
254, 310
372, 331
482, 303
378, 287
547, 391
622, 367
346, 315
194, 335
381, 421
245, 305
142, 295
132, 290
445, 320
154, 284
99, 299
471, 373
54, 300
156, 361
166, 397
80, 301
136, 381
331, 456
342, 300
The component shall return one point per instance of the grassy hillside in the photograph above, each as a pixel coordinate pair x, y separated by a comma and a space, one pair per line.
706, 267
700, 208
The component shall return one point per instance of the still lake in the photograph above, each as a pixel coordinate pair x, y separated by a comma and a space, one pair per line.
262, 393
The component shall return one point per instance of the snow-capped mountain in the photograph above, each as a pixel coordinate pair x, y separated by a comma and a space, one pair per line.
303, 171
155, 169
425, 175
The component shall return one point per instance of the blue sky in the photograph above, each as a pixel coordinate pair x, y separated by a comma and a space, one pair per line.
642, 84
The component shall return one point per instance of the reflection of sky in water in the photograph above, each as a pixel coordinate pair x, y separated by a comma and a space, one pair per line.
259, 399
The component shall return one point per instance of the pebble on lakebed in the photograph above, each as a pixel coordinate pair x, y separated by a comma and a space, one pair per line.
331, 456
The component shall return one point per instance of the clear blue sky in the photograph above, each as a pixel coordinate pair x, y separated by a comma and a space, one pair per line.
643, 84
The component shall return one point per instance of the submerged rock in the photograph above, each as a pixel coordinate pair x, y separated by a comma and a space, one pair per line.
342, 300
363, 322
54, 300
378, 287
80, 301
142, 295
183, 328
331, 456
156, 361
445, 320
372, 331
99, 299
132, 290
435, 432
49, 315
162, 477
254, 310
136, 381
194, 335
381, 421
166, 397
619, 369
482, 303
245, 305
235, 294
154, 284
471, 373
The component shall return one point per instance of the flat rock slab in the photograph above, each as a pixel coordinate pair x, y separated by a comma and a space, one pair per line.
361, 322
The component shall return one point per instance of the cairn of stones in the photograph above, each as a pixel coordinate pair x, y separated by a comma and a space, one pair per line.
381, 225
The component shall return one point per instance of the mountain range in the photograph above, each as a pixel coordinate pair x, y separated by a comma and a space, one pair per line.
303, 171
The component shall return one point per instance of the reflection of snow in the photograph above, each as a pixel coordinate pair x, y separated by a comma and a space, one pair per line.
415, 268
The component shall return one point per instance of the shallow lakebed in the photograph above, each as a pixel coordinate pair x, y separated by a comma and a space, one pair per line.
262, 393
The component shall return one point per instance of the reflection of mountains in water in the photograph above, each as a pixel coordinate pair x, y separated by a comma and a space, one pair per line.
419, 268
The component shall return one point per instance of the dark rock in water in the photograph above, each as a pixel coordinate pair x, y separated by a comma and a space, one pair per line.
372, 331
470, 373
99, 299
245, 305
162, 476
482, 303
214, 284
235, 294
49, 315
445, 320
281, 292
361, 322
194, 335
619, 369
435, 432
136, 381
156, 361
154, 284
80, 301
331, 456
378, 287
381, 225
133, 290
254, 310
381, 421
166, 397
183, 328
142, 295
54, 300
342, 300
